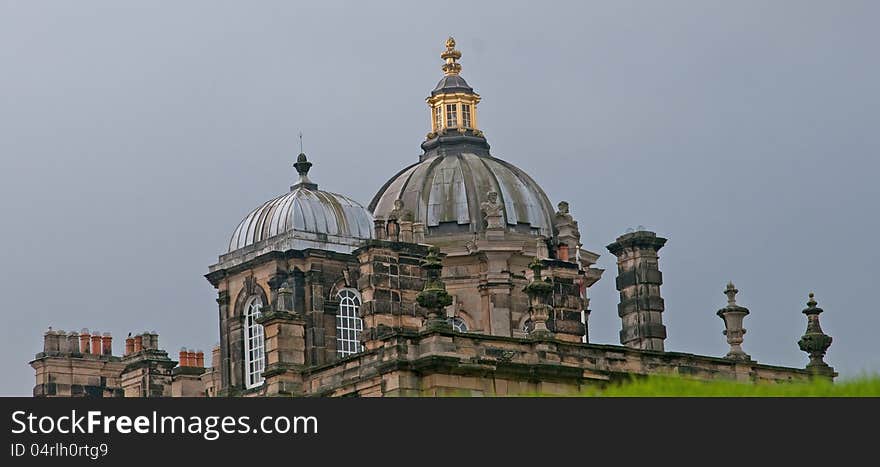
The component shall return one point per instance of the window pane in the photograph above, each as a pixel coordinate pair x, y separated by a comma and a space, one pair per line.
450, 116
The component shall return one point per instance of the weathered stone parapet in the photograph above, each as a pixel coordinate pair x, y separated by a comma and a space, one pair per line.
447, 363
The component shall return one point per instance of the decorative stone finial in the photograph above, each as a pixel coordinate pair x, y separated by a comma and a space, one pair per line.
733, 315
434, 297
815, 342
302, 167
731, 292
539, 291
451, 67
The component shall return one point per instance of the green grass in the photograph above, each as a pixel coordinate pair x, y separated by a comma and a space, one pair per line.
666, 386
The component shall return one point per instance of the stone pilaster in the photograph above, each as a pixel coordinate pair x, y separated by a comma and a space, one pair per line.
284, 331
540, 310
638, 280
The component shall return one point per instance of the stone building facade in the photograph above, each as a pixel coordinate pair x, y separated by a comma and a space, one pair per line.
459, 277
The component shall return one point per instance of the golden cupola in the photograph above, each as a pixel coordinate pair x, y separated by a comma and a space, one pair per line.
453, 103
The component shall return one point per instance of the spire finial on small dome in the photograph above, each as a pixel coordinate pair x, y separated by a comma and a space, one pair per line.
302, 167
451, 67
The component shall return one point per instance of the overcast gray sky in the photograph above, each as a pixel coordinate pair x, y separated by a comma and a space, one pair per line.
135, 135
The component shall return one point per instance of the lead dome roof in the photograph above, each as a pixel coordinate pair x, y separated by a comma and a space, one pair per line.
306, 217
445, 190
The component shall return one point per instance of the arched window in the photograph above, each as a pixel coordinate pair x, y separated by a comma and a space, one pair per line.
348, 324
458, 324
254, 356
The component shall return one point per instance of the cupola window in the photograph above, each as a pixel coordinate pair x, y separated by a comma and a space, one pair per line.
451, 120
466, 115
438, 118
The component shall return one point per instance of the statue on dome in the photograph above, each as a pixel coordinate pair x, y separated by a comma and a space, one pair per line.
492, 210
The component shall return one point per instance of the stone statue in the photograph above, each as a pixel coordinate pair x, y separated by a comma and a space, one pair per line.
399, 213
492, 210
562, 215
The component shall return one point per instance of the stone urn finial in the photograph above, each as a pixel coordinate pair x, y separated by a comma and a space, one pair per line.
814, 341
434, 298
733, 315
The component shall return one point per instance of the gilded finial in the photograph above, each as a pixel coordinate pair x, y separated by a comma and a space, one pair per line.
451, 67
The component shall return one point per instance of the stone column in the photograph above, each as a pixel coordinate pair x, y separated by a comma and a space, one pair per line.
638, 280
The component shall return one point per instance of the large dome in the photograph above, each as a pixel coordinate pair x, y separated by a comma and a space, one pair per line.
306, 217
453, 178
445, 190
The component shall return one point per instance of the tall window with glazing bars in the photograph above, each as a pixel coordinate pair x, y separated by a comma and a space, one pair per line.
451, 120
254, 348
348, 324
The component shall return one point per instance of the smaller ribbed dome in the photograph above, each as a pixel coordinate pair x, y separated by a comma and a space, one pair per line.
306, 217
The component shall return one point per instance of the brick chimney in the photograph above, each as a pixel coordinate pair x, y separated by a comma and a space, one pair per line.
84, 340
106, 344
96, 343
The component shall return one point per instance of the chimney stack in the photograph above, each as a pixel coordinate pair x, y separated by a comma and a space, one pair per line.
129, 345
72, 342
96, 343
200, 359
562, 252
51, 341
138, 343
84, 341
183, 357
106, 344
215, 357
638, 280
